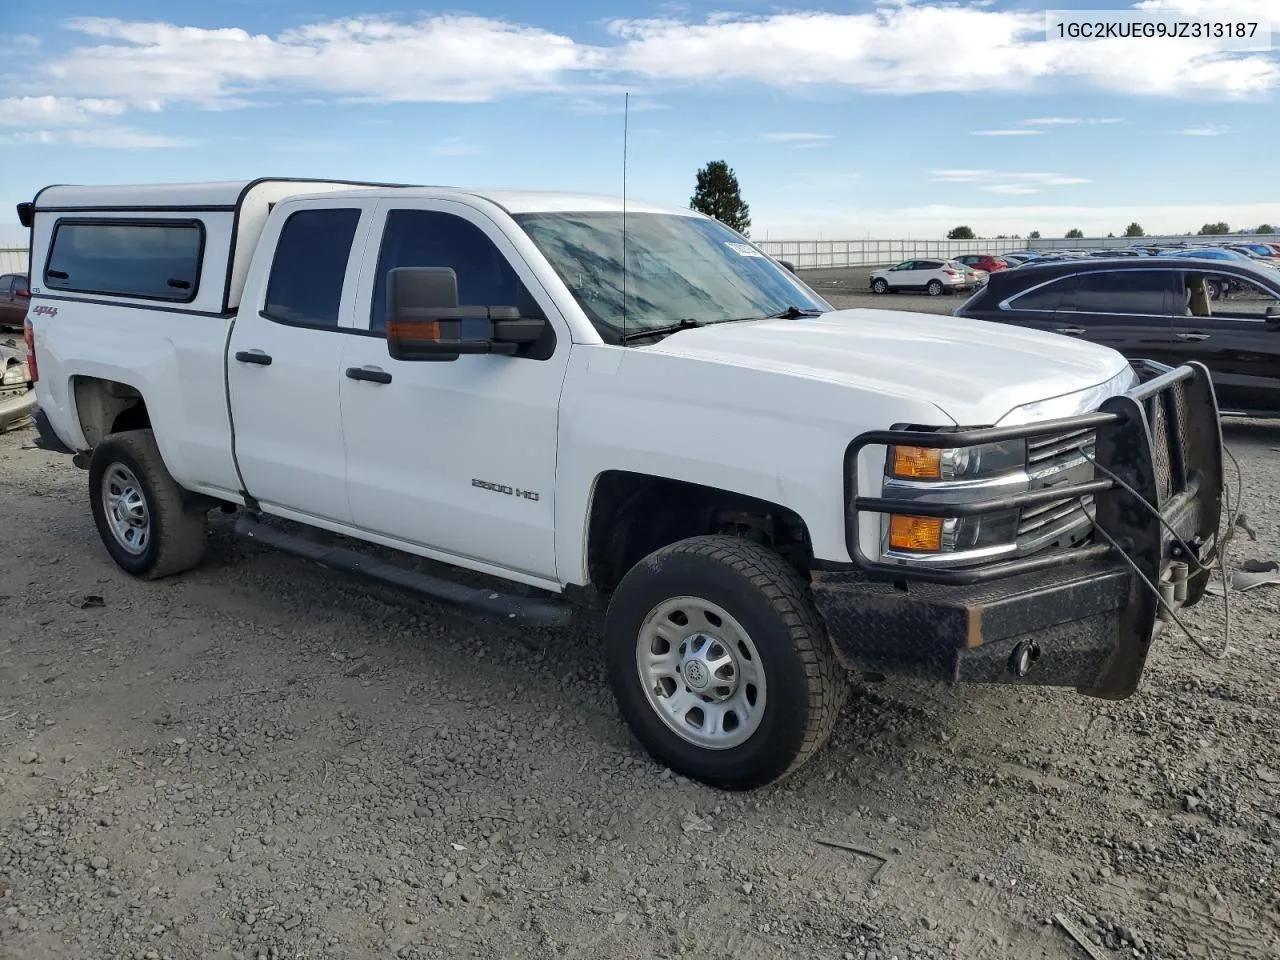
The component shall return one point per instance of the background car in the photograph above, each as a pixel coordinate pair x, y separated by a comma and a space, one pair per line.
986, 262
1155, 308
17, 391
15, 298
931, 276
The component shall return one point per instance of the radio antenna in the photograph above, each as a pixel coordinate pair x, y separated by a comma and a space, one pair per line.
626, 115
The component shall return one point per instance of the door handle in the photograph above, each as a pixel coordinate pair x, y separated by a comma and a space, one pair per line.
254, 356
1193, 336
1071, 331
372, 374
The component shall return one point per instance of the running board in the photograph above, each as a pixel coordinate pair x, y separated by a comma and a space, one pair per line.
533, 611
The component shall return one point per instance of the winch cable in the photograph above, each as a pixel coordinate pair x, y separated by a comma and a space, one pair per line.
1223, 541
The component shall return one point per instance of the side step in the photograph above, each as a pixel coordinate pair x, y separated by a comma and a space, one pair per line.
534, 611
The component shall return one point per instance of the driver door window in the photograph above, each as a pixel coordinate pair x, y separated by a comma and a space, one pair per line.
436, 451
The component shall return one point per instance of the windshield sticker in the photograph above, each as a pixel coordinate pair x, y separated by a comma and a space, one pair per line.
743, 249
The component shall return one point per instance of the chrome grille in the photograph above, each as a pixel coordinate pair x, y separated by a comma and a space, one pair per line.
1056, 462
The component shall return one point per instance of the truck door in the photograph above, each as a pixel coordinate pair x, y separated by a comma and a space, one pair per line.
284, 361
457, 457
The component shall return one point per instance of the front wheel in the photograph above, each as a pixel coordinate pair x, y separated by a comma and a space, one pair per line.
138, 508
720, 663
880, 286
934, 288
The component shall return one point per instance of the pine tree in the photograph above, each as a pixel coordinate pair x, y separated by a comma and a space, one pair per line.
718, 195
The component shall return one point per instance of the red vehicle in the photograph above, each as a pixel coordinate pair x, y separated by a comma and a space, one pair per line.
983, 261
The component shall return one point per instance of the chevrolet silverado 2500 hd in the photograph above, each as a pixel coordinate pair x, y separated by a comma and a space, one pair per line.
629, 408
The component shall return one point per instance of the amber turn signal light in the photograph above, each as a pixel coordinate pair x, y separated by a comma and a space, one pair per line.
915, 533
916, 463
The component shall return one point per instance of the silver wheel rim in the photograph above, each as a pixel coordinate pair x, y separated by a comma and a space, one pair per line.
701, 673
125, 507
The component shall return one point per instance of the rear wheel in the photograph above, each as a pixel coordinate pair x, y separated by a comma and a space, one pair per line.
720, 663
934, 288
880, 286
138, 508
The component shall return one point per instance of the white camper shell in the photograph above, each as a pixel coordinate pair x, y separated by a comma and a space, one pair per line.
203, 233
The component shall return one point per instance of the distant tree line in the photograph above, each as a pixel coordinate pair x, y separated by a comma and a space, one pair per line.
1134, 229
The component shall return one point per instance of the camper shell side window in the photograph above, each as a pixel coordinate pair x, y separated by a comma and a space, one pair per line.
146, 259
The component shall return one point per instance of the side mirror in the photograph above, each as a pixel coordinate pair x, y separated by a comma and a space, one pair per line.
1273, 314
425, 322
789, 265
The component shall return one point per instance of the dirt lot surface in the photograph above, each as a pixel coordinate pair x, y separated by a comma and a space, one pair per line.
261, 759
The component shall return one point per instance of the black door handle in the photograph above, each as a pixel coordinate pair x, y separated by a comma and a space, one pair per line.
254, 356
1072, 331
1193, 336
372, 374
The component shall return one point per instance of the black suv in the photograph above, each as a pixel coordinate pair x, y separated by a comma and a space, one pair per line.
1158, 308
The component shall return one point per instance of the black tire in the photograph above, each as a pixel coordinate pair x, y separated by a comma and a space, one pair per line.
805, 685
1215, 289
880, 286
934, 288
176, 538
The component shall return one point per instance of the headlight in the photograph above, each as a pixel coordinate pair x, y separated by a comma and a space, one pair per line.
14, 374
913, 534
955, 463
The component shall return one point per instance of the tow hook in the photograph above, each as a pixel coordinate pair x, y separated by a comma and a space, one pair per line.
1173, 588
1024, 655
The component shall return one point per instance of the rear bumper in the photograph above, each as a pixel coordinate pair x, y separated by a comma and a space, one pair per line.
1083, 616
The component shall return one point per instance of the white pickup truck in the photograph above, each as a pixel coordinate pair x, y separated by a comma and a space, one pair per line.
629, 409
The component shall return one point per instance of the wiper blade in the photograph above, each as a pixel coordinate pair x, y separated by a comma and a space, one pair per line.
685, 323
792, 313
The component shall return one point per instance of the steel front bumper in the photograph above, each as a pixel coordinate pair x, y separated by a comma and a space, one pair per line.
1083, 617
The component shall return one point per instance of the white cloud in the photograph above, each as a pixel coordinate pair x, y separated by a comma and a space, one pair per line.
458, 59
116, 138
1029, 181
1015, 132
35, 111
1206, 131
1067, 121
1010, 189
914, 48
896, 48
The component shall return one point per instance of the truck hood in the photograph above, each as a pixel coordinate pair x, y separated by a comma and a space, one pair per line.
974, 371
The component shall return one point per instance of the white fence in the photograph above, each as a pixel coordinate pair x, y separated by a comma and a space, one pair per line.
812, 254
13, 259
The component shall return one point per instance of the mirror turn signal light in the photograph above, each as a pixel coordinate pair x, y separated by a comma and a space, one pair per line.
915, 533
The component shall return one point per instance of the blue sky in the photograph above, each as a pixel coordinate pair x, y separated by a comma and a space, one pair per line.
888, 119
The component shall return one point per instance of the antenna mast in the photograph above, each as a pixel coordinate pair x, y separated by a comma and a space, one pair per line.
626, 114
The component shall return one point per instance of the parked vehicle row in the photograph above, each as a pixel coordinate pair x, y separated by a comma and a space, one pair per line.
1159, 308
930, 276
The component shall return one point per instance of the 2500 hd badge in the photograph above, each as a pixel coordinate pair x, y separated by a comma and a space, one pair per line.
504, 488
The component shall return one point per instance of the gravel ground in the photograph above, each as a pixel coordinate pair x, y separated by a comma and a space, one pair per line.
262, 759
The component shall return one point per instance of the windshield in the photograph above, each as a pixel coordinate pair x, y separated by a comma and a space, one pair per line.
678, 269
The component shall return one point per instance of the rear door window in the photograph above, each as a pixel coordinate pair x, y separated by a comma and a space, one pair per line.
305, 287
1143, 292
144, 259
1047, 297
